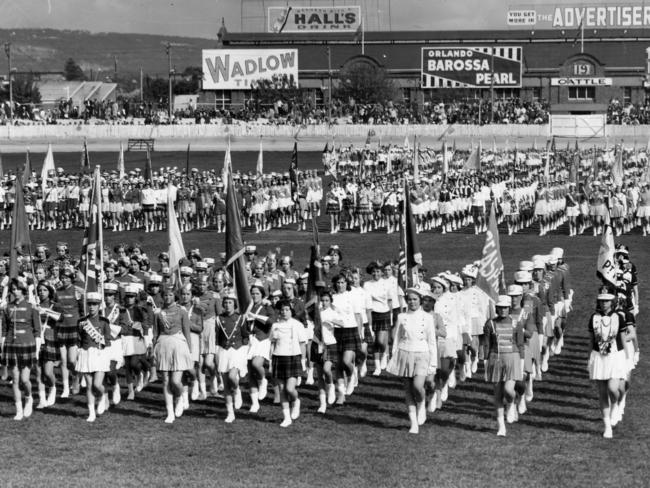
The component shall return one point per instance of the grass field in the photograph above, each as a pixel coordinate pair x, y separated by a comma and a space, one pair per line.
364, 443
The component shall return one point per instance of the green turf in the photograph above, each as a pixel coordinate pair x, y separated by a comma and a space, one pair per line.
364, 443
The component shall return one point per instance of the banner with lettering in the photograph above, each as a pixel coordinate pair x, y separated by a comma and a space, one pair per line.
471, 67
245, 69
572, 16
326, 19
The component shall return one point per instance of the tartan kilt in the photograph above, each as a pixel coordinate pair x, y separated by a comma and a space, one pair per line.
21, 355
67, 336
333, 208
380, 321
49, 351
347, 339
285, 367
329, 353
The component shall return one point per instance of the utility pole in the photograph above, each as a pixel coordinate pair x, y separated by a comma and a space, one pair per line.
115, 69
168, 49
141, 85
492, 85
329, 87
11, 86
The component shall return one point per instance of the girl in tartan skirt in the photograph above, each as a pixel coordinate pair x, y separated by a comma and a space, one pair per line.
21, 331
288, 337
50, 314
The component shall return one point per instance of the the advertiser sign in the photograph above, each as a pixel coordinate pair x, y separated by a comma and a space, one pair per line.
565, 15
239, 69
471, 67
313, 19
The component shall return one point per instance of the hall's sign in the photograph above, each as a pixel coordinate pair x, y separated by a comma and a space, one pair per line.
242, 69
471, 67
581, 81
313, 19
574, 15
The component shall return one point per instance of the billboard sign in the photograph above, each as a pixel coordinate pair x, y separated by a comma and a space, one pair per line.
471, 67
241, 69
296, 20
595, 15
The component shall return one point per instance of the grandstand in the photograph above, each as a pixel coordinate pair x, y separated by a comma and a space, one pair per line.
52, 92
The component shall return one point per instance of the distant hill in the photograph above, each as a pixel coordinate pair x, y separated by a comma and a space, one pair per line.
48, 49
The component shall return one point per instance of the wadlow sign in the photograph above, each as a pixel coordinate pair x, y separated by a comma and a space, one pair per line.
240, 69
471, 67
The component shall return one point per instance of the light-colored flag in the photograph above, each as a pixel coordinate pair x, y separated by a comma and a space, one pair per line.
490, 275
176, 249
48, 165
227, 165
606, 265
260, 160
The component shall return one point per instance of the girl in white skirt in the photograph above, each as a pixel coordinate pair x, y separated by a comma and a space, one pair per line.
504, 343
115, 351
415, 355
93, 361
171, 350
607, 362
288, 337
259, 320
195, 314
232, 363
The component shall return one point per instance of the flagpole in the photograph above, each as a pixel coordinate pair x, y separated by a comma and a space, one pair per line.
363, 39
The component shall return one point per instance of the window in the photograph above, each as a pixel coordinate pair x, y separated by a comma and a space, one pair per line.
582, 93
537, 94
222, 99
506, 93
627, 95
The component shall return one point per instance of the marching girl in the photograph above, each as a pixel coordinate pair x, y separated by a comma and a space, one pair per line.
521, 314
324, 351
364, 207
347, 334
116, 350
478, 209
67, 335
631, 352
389, 209
210, 304
259, 318
504, 342
50, 314
21, 337
92, 361
134, 323
171, 351
232, 364
597, 209
195, 313
288, 337
381, 317
543, 210
362, 297
607, 362
572, 209
333, 206
415, 355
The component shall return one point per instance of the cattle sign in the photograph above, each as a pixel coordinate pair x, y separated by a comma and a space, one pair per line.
471, 67
240, 69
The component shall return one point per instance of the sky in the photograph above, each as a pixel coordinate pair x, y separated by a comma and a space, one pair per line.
202, 18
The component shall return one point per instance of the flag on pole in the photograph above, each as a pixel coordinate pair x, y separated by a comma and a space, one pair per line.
490, 275
293, 171
617, 168
314, 283
606, 265
410, 256
260, 160
445, 160
416, 159
176, 249
48, 166
227, 166
235, 264
20, 241
92, 245
187, 161
148, 171
120, 163
573, 172
27, 170
547, 165
85, 157
473, 161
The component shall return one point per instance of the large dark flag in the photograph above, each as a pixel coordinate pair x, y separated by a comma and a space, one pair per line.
20, 242
92, 245
293, 170
410, 256
314, 283
490, 275
27, 170
148, 172
235, 263
187, 162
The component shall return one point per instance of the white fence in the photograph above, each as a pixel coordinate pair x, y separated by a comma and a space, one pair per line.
192, 131
582, 126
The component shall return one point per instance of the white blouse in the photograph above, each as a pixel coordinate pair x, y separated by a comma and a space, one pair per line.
286, 336
348, 307
379, 295
415, 332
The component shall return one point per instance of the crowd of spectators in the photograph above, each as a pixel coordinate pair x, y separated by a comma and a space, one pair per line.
619, 113
299, 110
